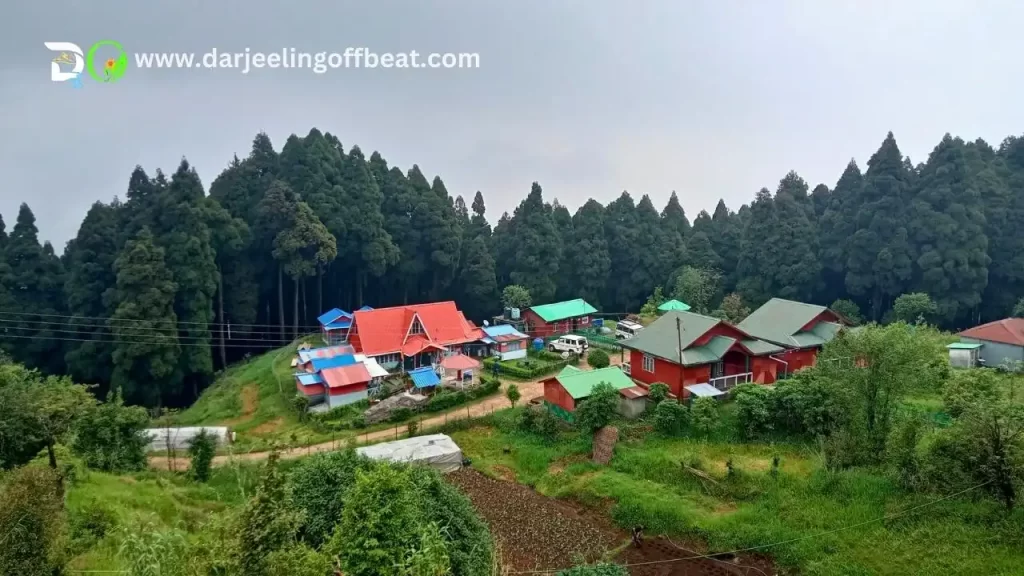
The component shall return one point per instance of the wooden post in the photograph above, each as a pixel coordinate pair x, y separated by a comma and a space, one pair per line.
679, 344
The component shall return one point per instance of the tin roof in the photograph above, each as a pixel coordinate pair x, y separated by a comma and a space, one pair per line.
424, 377
562, 310
580, 383
346, 375
1005, 331
674, 305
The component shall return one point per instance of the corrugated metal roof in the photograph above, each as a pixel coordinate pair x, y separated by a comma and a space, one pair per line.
346, 375
704, 390
660, 337
503, 333
332, 315
580, 384
674, 305
562, 310
324, 352
332, 362
307, 379
339, 324
708, 353
760, 347
424, 377
964, 345
780, 321
384, 330
1006, 331
459, 362
634, 392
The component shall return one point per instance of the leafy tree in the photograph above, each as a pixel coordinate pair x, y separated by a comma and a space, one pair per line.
732, 309
697, 287
32, 523
513, 395
847, 309
268, 522
516, 296
902, 452
302, 248
379, 512
915, 308
598, 409
146, 366
657, 392
318, 485
112, 436
650, 308
201, 449
598, 358
704, 413
967, 388
671, 418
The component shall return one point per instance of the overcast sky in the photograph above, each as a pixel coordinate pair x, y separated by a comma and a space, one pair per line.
713, 99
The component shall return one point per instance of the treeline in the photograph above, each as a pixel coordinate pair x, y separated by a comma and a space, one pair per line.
159, 289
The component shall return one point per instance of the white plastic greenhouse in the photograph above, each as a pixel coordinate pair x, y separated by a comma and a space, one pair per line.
167, 439
438, 451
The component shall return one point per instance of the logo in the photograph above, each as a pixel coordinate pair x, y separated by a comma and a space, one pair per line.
106, 61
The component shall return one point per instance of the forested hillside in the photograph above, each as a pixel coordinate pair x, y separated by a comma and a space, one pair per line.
172, 281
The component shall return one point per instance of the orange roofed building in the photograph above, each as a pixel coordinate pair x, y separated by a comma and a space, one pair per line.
403, 338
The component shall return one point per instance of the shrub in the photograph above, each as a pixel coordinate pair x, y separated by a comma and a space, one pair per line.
671, 418
967, 388
598, 358
31, 523
201, 449
90, 524
595, 570
111, 436
400, 415
412, 428
754, 410
513, 395
318, 484
598, 409
548, 424
300, 403
466, 536
704, 413
657, 392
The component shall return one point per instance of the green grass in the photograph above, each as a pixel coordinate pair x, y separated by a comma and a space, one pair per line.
647, 484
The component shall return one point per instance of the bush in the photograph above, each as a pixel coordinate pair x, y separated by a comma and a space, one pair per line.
754, 410
598, 409
444, 400
89, 524
595, 570
31, 523
513, 395
671, 418
412, 428
400, 415
657, 392
967, 388
300, 403
598, 358
704, 413
548, 425
201, 449
520, 371
318, 484
111, 436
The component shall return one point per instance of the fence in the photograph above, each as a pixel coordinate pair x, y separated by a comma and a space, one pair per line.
599, 340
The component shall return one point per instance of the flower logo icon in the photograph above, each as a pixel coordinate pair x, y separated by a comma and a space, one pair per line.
113, 68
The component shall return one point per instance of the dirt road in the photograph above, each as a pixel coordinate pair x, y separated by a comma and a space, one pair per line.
527, 391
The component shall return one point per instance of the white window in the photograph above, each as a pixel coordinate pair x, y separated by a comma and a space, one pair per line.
648, 363
388, 358
417, 327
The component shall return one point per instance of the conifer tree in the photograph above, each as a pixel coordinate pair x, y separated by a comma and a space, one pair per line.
796, 269
303, 247
755, 270
835, 228
589, 261
368, 247
620, 224
564, 290
726, 241
146, 356
537, 248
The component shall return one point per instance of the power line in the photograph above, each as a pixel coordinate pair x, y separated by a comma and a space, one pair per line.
790, 541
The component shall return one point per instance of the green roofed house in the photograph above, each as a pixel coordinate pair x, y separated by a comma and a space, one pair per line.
564, 391
559, 318
673, 305
802, 329
687, 351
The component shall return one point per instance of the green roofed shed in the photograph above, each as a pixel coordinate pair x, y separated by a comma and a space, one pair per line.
580, 383
674, 305
563, 310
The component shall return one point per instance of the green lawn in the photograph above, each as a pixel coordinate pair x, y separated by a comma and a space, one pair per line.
646, 483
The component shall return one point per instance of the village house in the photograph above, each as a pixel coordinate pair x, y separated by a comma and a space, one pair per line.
558, 318
336, 376
564, 391
995, 344
696, 354
505, 342
802, 329
404, 338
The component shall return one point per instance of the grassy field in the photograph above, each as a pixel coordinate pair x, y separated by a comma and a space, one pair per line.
804, 508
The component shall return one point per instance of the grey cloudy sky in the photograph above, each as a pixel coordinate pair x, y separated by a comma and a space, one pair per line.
709, 98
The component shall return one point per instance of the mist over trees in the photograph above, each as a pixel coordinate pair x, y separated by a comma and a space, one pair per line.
172, 280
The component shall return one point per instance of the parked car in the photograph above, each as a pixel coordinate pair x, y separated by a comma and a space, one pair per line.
627, 329
570, 344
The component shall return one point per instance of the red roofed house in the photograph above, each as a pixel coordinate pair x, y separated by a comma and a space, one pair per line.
699, 355
994, 344
346, 384
403, 338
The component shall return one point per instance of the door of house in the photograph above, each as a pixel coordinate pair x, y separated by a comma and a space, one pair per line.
718, 369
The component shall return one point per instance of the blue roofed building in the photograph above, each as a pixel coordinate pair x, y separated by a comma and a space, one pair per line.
425, 378
505, 342
334, 326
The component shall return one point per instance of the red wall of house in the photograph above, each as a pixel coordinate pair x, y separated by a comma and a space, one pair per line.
538, 328
668, 373
309, 390
765, 369
799, 359
556, 394
340, 390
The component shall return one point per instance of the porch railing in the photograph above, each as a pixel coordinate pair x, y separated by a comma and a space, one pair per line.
625, 369
724, 383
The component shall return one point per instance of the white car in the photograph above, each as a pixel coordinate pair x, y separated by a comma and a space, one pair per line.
570, 344
625, 329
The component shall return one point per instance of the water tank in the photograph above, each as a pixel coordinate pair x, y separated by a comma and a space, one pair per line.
486, 324
515, 313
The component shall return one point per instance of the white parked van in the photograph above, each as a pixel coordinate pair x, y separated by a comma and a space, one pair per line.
575, 344
627, 329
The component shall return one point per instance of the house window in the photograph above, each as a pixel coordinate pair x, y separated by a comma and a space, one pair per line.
417, 327
648, 363
388, 358
718, 370
513, 346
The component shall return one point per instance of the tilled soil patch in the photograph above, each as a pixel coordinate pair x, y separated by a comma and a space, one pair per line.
534, 532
